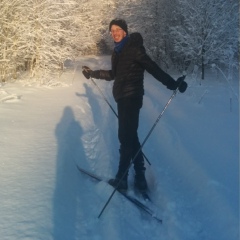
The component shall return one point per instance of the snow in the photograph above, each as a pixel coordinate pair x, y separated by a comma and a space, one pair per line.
194, 154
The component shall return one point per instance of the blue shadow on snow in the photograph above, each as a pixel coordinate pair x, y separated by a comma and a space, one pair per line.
67, 192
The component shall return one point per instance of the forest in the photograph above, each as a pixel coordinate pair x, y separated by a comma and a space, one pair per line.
38, 36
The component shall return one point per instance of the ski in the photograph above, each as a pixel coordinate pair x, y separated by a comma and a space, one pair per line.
133, 200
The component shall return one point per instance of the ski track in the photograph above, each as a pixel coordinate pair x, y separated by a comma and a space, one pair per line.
48, 131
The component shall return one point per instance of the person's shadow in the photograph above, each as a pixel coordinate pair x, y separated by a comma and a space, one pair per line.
67, 192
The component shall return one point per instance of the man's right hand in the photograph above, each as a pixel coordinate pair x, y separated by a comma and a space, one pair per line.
86, 72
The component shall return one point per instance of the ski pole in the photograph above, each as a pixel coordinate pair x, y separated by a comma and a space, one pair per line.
99, 89
146, 138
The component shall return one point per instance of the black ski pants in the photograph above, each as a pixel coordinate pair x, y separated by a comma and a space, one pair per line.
128, 121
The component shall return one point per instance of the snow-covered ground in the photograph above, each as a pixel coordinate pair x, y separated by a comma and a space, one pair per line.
194, 155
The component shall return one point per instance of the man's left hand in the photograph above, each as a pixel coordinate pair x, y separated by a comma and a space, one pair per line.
181, 84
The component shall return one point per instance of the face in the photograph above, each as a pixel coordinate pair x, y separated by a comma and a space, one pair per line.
117, 33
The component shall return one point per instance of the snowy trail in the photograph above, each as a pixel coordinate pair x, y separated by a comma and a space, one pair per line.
44, 196
193, 177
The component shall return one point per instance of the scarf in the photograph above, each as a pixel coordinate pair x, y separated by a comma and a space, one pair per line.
119, 45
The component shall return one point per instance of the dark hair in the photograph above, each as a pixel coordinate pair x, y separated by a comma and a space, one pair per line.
119, 22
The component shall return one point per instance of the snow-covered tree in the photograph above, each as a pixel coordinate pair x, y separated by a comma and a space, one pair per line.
10, 40
163, 19
39, 35
206, 32
87, 27
34, 34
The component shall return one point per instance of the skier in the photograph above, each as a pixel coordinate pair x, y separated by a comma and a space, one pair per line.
129, 61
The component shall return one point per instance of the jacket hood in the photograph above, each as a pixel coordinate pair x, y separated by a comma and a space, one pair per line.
136, 39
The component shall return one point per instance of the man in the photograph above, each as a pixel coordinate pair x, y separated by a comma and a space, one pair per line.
129, 61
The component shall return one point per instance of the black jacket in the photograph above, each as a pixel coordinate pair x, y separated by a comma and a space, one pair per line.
128, 68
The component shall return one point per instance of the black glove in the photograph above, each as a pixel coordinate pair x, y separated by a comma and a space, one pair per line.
181, 84
86, 72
